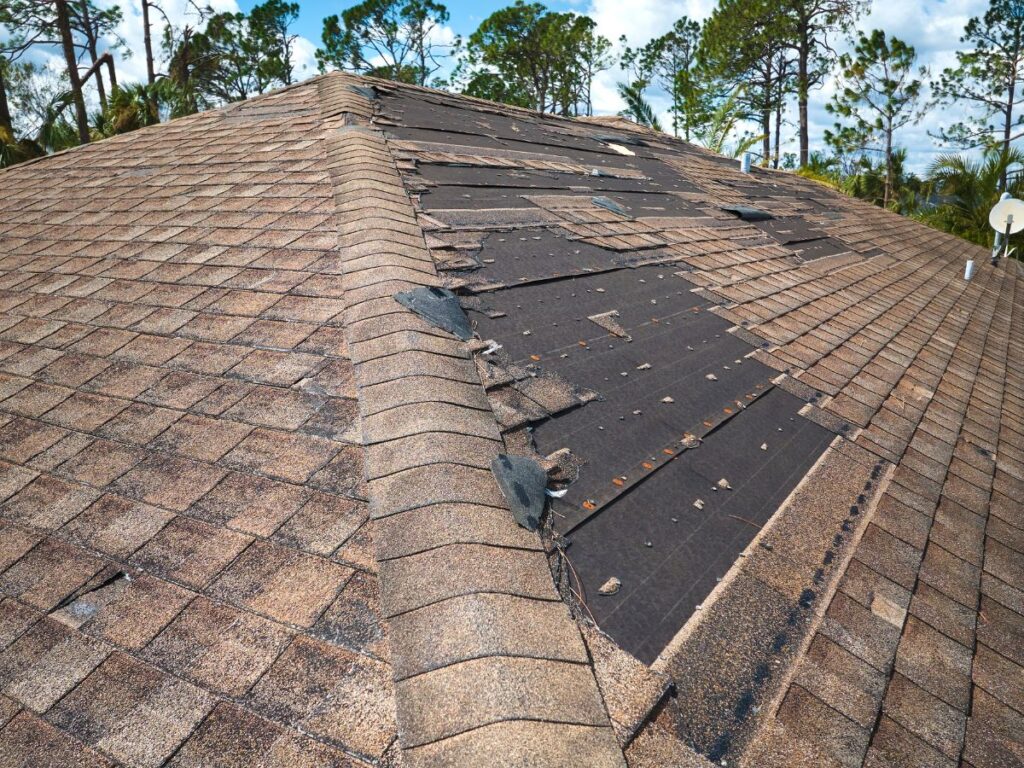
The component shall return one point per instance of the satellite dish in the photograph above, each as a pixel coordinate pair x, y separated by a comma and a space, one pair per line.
1007, 216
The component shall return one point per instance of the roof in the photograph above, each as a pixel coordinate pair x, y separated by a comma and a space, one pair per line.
248, 511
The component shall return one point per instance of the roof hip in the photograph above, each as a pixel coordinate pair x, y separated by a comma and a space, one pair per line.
487, 659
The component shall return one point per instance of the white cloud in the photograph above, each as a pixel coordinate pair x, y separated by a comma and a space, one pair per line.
131, 65
933, 28
303, 59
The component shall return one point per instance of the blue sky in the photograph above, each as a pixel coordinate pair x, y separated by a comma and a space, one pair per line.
465, 14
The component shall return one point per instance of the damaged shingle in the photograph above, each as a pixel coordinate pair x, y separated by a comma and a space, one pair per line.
608, 138
439, 307
747, 213
607, 321
522, 480
367, 91
609, 205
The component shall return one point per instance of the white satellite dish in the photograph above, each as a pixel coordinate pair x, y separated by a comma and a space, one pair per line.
1007, 216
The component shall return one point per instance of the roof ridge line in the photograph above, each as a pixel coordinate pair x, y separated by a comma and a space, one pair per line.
497, 687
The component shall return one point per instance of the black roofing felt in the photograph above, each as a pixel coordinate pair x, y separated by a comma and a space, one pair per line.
617, 504
680, 406
670, 554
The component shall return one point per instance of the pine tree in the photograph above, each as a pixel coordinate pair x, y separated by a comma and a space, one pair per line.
989, 77
881, 92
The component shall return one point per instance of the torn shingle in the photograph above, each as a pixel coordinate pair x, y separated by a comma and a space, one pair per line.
439, 307
522, 480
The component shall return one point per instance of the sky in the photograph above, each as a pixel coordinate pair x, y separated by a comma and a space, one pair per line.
933, 27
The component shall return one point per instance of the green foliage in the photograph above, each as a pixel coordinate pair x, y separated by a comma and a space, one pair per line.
988, 78
966, 189
535, 58
239, 56
392, 39
637, 107
879, 95
40, 99
670, 61
130, 107
744, 42
272, 21
888, 185
723, 123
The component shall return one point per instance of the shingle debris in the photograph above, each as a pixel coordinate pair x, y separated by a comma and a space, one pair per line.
523, 482
439, 307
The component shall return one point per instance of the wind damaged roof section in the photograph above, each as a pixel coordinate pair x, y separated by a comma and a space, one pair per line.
857, 308
587, 285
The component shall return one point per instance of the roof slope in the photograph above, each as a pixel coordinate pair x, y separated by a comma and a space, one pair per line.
247, 511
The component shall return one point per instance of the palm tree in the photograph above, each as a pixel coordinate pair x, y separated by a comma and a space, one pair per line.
823, 168
722, 123
637, 107
968, 188
131, 107
873, 180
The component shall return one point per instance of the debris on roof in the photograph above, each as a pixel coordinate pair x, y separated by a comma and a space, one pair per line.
439, 307
522, 480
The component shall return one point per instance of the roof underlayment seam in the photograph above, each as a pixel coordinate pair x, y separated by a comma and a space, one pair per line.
503, 704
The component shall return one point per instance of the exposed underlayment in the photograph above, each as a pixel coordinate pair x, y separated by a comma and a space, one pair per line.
681, 461
267, 491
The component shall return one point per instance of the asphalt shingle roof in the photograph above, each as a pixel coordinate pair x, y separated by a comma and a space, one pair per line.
247, 513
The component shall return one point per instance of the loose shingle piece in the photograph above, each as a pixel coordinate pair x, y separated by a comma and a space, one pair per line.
282, 386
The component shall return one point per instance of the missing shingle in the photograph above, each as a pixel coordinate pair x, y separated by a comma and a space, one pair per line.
747, 213
609, 205
523, 481
439, 307
608, 138
366, 91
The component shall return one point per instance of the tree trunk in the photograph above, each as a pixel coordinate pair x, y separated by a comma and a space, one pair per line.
766, 130
802, 90
110, 71
887, 195
5, 109
68, 44
147, 39
90, 39
1007, 130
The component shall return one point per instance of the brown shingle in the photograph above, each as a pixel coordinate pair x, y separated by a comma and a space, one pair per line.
248, 503
310, 674
29, 740
233, 737
285, 456
217, 647
48, 502
131, 711
281, 583
168, 481
116, 526
46, 662
48, 573
190, 551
